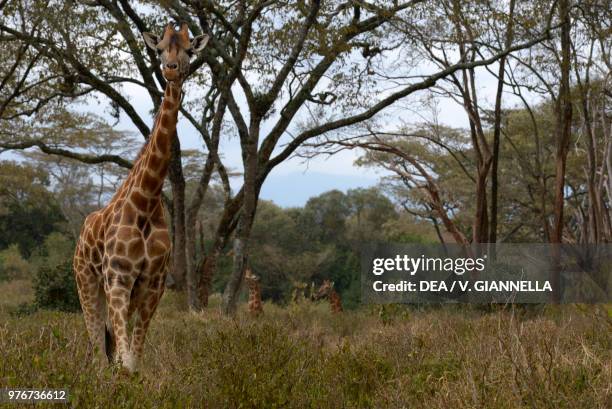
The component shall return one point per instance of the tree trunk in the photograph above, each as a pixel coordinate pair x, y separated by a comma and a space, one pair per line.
246, 217
494, 187
193, 299
177, 181
448, 223
564, 122
497, 129
241, 252
607, 132
563, 128
225, 228
207, 269
240, 248
209, 264
594, 222
194, 269
434, 221
480, 225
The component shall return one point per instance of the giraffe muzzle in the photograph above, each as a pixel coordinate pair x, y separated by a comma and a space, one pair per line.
171, 74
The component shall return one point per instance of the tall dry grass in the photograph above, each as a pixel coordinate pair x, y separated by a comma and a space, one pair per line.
302, 356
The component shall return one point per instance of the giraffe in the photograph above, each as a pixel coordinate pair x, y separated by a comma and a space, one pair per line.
255, 307
121, 257
327, 290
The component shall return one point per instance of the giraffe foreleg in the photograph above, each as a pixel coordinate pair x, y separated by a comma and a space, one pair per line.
146, 307
144, 314
118, 290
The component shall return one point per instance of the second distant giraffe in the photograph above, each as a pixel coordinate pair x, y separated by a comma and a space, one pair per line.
327, 290
255, 306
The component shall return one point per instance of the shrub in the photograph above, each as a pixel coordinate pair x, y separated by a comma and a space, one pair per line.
12, 264
57, 248
55, 288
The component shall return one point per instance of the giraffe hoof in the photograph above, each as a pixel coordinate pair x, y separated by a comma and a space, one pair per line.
127, 375
129, 364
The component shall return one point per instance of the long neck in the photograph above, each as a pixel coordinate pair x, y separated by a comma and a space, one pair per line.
253, 287
152, 166
334, 299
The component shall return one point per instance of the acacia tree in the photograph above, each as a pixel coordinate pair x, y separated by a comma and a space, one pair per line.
326, 43
591, 64
286, 71
477, 28
412, 164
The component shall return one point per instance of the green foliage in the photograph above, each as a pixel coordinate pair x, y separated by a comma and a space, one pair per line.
320, 241
28, 211
324, 216
345, 273
370, 210
55, 288
12, 264
57, 248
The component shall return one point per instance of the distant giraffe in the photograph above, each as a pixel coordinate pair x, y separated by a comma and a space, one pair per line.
121, 258
255, 306
327, 290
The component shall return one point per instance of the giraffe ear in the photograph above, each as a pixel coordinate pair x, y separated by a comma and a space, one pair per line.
151, 40
198, 43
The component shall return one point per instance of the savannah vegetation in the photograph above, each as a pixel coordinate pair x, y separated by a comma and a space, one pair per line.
300, 80
302, 356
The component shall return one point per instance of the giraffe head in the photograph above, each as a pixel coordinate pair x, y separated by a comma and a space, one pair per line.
175, 49
250, 277
324, 290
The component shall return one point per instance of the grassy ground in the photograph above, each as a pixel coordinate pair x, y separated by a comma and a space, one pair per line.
304, 357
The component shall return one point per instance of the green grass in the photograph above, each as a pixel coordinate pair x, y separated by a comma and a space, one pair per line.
302, 356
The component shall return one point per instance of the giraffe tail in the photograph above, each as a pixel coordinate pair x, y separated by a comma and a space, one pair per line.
109, 343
